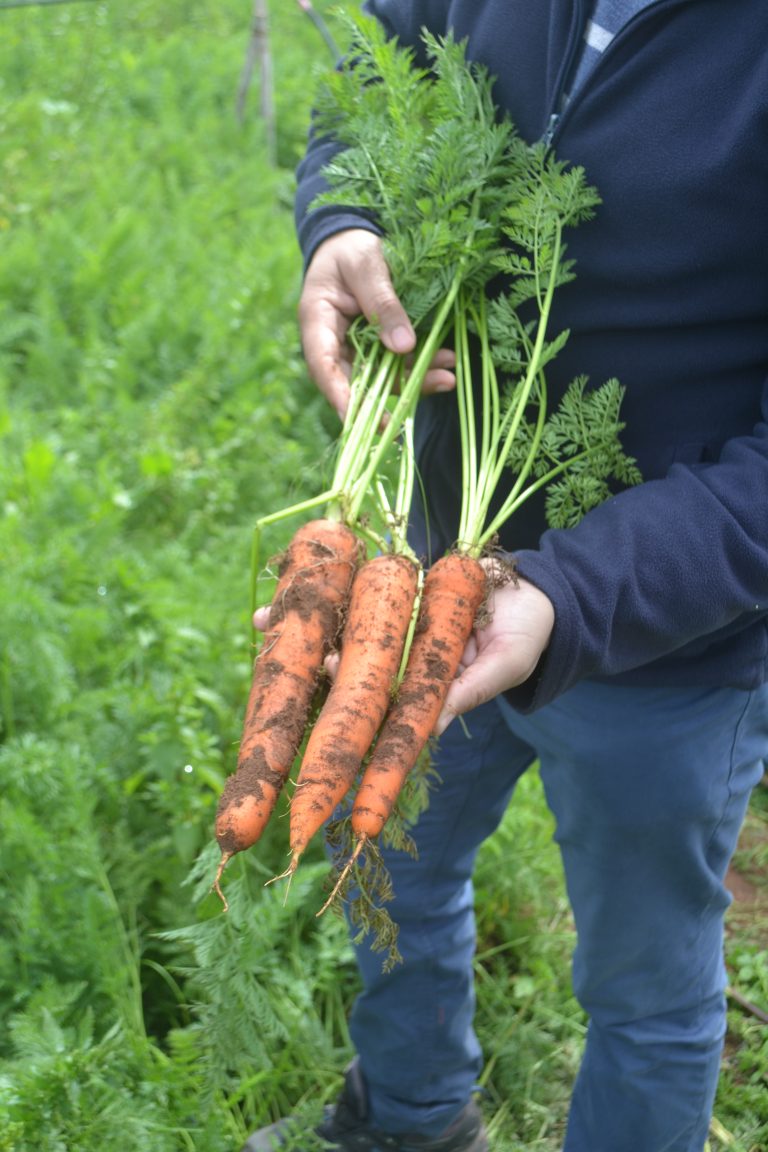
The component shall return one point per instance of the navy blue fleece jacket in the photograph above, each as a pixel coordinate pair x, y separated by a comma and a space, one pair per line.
666, 583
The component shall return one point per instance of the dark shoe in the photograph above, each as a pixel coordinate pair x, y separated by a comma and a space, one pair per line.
345, 1127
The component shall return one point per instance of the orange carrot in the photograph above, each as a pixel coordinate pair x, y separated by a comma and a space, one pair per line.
314, 579
380, 609
454, 590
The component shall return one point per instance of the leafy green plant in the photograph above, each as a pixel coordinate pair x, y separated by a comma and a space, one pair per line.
153, 404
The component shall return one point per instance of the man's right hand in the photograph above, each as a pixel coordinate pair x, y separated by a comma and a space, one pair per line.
348, 276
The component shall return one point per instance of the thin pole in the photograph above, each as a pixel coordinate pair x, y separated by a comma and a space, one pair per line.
33, 3
259, 52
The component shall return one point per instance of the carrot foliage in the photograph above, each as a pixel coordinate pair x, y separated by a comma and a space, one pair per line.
473, 221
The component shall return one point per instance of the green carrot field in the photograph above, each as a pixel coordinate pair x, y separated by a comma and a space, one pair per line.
154, 405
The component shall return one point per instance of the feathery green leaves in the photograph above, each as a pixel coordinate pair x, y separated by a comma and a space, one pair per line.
463, 201
425, 154
578, 452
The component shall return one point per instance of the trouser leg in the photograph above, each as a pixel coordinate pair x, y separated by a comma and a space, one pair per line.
649, 789
412, 1027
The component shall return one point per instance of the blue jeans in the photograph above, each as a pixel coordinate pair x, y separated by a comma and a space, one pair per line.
649, 788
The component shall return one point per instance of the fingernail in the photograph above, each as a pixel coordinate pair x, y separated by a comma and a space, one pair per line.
401, 339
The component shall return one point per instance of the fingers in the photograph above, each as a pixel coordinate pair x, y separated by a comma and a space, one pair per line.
478, 683
504, 652
440, 376
367, 277
261, 618
323, 337
348, 276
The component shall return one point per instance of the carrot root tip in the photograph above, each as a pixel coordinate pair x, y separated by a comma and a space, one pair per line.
286, 875
362, 841
216, 886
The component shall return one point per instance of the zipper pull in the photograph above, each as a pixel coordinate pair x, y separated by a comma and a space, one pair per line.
551, 128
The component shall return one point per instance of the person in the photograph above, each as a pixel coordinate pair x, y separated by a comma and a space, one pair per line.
631, 657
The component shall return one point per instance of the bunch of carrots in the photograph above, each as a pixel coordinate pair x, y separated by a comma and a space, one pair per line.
460, 200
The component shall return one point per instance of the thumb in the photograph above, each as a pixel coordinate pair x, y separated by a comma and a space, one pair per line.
480, 682
370, 282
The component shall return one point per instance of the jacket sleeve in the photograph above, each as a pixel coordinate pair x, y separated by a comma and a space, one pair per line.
405, 21
659, 568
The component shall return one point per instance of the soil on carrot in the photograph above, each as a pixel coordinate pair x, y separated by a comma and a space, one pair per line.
246, 786
306, 600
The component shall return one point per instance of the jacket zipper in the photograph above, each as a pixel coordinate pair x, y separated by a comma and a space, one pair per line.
577, 31
555, 118
550, 130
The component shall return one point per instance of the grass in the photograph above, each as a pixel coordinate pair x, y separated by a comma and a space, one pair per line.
154, 404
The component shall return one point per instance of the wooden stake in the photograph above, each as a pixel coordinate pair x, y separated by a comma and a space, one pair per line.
31, 3
259, 52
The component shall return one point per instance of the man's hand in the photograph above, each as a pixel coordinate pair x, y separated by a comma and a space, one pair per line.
504, 652
499, 655
347, 277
